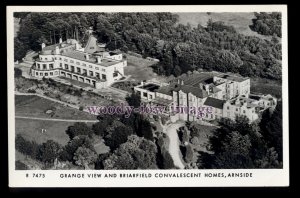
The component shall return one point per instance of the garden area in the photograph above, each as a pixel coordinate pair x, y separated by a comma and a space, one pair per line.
194, 138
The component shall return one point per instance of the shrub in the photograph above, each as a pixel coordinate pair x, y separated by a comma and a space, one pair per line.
188, 153
18, 72
195, 141
81, 108
168, 162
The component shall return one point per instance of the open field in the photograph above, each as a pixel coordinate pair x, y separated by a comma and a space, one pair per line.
31, 130
265, 86
139, 69
240, 21
35, 106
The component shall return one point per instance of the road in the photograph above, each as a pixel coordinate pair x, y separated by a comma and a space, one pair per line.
54, 119
171, 131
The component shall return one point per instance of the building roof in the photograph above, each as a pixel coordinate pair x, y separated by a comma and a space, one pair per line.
167, 90
78, 55
52, 47
162, 101
91, 45
213, 102
197, 91
233, 77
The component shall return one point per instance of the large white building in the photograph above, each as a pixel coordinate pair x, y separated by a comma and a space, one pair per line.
92, 64
227, 96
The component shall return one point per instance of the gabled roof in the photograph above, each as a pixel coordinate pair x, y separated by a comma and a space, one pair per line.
213, 102
91, 45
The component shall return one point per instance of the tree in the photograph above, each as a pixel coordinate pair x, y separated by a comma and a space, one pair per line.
79, 128
18, 72
188, 153
84, 156
168, 162
118, 136
133, 100
68, 151
136, 153
49, 151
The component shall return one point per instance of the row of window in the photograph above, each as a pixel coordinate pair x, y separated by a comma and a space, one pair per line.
46, 73
83, 64
84, 71
44, 66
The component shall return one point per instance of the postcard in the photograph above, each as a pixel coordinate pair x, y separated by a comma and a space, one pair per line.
148, 96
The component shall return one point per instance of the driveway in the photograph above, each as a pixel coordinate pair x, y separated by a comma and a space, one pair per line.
171, 131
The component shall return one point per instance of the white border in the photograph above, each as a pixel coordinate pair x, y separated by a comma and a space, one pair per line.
261, 177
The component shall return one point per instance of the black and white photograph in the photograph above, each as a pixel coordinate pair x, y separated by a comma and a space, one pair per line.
102, 93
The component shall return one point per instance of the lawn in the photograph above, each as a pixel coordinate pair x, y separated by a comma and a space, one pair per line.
31, 130
265, 86
35, 106
240, 21
140, 69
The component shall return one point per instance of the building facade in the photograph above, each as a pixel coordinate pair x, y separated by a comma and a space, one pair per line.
225, 95
91, 65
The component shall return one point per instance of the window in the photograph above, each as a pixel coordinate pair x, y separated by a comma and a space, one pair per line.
71, 61
103, 76
60, 64
150, 96
78, 70
145, 94
36, 73
103, 70
83, 64
77, 63
60, 58
46, 74
66, 66
66, 60
41, 74
55, 58
56, 72
115, 74
244, 111
97, 68
91, 73
91, 66
97, 75
51, 66
72, 68
51, 73
44, 66
236, 109
46, 58
38, 66
227, 108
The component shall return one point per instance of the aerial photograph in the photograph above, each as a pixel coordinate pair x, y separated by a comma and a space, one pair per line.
148, 90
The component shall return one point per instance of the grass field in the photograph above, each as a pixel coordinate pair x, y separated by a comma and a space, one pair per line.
139, 69
35, 106
266, 86
31, 130
240, 21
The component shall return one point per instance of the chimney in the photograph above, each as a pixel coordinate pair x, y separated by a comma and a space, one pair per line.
87, 56
182, 82
60, 40
98, 59
201, 85
56, 50
43, 45
76, 46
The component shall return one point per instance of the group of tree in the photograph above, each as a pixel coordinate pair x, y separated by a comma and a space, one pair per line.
267, 23
240, 144
180, 48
